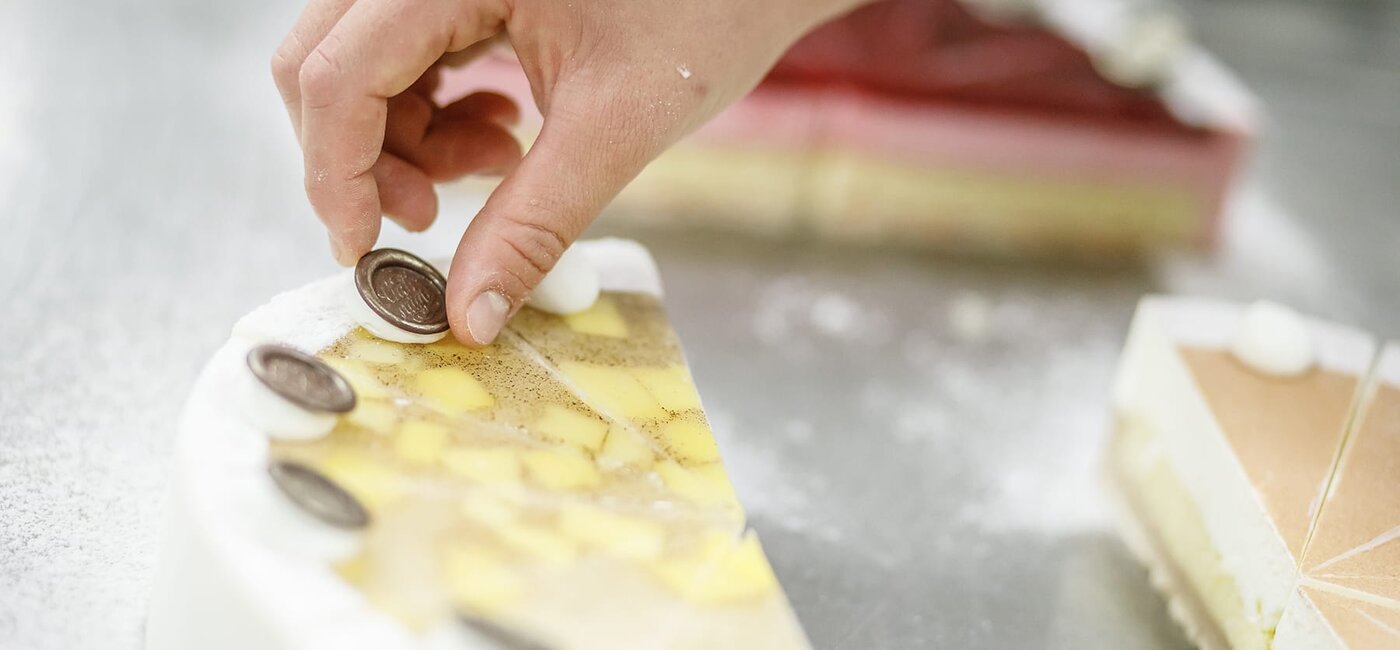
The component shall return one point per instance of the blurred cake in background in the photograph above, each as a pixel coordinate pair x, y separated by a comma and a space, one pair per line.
1090, 127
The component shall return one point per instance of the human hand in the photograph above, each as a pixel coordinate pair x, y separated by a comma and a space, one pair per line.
617, 81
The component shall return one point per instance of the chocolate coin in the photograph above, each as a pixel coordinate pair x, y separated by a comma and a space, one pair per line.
404, 290
301, 378
500, 636
318, 495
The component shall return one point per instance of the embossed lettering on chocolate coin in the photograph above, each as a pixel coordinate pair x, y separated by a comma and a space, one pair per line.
404, 290
301, 378
318, 495
501, 637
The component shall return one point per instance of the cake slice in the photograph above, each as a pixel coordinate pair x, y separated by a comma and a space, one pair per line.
559, 489
1350, 596
934, 123
1229, 423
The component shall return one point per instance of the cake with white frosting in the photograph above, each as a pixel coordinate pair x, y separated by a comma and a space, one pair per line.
558, 489
1092, 128
1257, 456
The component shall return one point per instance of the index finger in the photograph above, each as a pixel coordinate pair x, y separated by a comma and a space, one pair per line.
377, 50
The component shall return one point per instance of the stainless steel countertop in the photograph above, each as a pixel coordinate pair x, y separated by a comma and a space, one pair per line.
917, 437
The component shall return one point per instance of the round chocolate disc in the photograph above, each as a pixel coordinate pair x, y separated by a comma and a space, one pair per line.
318, 495
301, 378
404, 290
500, 636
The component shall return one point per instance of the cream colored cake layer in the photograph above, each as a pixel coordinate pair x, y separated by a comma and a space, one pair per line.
749, 190
862, 198
847, 195
1202, 595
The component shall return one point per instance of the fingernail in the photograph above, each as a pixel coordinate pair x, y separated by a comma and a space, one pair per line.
486, 316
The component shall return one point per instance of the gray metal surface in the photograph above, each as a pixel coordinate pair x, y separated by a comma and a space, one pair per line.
917, 438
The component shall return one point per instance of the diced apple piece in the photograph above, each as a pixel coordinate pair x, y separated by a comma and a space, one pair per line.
625, 446
624, 536
671, 386
571, 427
677, 574
602, 319
544, 545
690, 441
376, 351
360, 378
378, 417
420, 441
743, 574
682, 572
362, 476
480, 581
706, 486
559, 469
613, 389
354, 570
488, 466
453, 391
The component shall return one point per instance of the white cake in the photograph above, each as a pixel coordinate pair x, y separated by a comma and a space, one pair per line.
244, 567
1237, 438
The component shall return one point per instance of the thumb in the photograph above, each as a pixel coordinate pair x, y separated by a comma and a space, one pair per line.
579, 162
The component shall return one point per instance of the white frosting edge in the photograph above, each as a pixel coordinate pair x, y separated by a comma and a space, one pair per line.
1196, 88
1388, 367
1155, 386
241, 566
261, 577
1208, 322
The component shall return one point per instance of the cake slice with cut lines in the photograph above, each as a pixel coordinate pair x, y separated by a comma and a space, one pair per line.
1257, 453
558, 489
1222, 463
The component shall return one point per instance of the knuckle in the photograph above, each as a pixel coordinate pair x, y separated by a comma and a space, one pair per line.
319, 77
534, 241
286, 63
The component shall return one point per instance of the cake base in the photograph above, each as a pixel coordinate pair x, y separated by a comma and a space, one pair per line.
1130, 473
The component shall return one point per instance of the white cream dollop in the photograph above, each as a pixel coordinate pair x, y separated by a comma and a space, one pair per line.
1274, 340
277, 416
570, 287
1144, 53
376, 324
281, 524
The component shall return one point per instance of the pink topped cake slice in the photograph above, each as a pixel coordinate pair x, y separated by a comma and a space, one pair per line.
1091, 130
